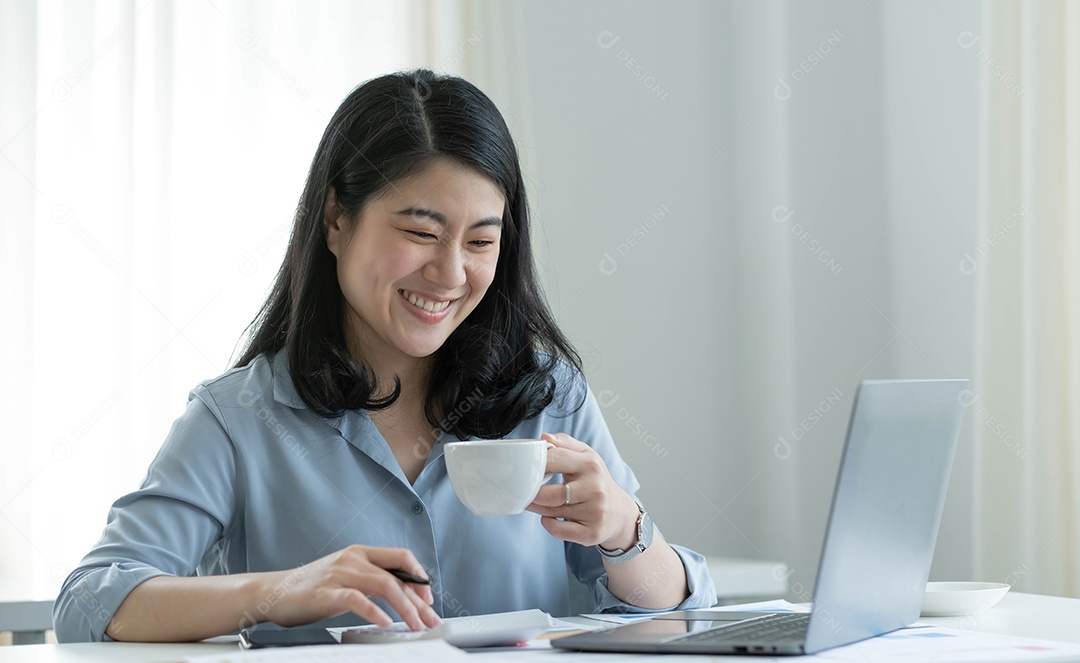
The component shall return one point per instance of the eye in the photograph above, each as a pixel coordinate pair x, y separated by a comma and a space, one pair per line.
421, 234
481, 243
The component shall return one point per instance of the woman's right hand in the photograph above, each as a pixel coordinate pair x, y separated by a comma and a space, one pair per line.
343, 582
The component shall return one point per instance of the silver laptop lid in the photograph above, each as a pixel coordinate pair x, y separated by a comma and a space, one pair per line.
886, 509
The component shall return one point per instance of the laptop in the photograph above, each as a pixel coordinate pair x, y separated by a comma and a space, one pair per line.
879, 543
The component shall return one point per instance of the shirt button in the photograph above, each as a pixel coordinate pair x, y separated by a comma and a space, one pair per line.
417, 508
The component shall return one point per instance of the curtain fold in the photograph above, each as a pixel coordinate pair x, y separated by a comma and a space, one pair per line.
1025, 399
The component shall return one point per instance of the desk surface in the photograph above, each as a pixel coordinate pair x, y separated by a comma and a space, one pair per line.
1028, 615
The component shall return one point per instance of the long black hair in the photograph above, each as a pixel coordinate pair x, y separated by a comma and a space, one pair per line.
498, 367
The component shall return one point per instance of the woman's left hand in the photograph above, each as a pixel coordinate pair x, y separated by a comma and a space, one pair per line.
599, 511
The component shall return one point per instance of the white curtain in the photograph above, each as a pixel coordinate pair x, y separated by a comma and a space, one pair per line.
1025, 400
151, 157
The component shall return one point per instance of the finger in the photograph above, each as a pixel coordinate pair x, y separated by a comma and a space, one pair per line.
402, 558
424, 592
552, 496
583, 490
380, 584
574, 462
396, 593
356, 601
565, 441
396, 558
568, 462
427, 614
575, 512
567, 530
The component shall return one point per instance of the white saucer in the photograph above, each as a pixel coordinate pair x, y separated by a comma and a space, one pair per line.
952, 599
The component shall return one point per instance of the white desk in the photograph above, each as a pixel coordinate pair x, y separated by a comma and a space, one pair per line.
1029, 615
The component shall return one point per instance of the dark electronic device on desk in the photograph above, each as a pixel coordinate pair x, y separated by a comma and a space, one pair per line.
252, 638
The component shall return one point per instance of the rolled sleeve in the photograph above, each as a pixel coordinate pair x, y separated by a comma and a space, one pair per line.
587, 424
700, 583
90, 597
165, 528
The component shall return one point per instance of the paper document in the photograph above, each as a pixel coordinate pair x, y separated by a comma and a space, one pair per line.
499, 629
925, 642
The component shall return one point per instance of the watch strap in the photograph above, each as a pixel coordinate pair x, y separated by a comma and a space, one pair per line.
644, 540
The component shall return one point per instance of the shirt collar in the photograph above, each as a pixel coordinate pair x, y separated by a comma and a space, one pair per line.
284, 389
356, 427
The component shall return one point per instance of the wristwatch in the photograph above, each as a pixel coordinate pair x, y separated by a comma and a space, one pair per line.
644, 540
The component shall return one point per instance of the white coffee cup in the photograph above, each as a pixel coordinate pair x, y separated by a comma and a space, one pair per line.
497, 477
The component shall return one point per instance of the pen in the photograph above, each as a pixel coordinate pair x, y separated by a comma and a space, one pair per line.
405, 576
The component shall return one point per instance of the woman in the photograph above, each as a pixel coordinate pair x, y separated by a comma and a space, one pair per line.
406, 314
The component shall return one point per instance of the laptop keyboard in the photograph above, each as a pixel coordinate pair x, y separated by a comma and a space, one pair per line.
783, 627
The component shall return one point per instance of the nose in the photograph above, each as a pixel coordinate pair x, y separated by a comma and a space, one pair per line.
446, 267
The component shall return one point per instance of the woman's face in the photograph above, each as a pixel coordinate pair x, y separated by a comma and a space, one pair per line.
418, 261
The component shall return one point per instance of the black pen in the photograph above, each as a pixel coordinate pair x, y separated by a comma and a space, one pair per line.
405, 576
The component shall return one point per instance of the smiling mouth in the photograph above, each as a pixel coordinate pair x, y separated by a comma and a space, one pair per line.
424, 304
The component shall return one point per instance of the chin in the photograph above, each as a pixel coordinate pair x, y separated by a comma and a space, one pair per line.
422, 350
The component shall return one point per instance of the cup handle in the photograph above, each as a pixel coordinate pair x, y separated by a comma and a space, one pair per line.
548, 475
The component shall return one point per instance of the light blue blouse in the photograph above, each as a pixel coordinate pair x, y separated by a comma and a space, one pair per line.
249, 479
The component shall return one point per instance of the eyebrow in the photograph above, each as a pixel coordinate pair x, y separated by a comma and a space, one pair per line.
441, 219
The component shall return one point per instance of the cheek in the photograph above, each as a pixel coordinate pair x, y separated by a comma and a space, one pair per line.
387, 266
484, 274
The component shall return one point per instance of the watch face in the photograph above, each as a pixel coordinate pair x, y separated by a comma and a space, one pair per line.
645, 532
644, 540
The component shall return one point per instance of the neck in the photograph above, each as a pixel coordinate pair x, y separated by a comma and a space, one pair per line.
413, 372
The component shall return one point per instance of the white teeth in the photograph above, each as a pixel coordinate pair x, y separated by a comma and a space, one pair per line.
420, 302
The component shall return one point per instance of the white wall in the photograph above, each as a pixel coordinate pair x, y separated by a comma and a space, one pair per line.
625, 168
931, 110
717, 329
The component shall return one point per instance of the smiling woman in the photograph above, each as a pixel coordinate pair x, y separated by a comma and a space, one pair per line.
405, 315
406, 167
